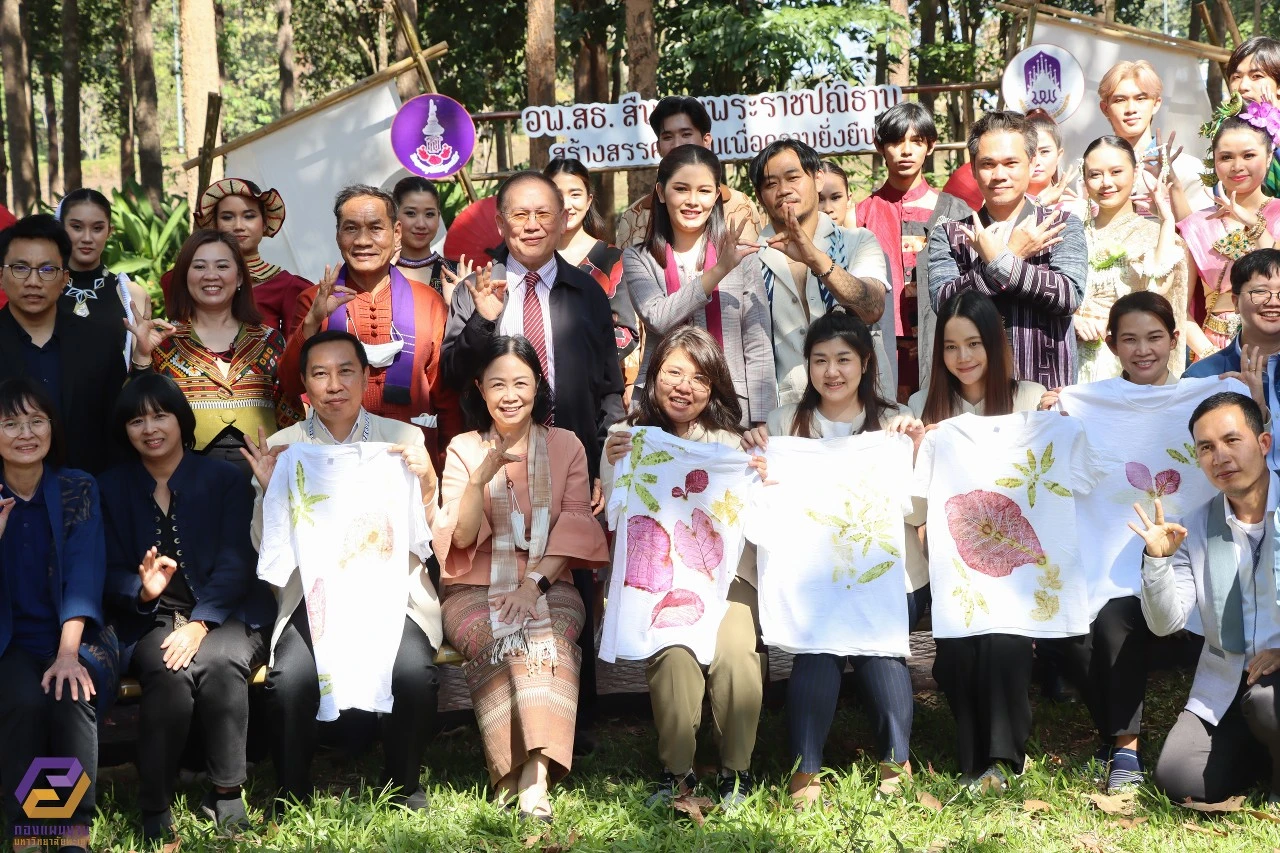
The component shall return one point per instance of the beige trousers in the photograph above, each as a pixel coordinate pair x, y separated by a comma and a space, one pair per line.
735, 680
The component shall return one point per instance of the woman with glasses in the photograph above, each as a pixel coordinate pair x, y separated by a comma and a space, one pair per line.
692, 270
689, 393
55, 658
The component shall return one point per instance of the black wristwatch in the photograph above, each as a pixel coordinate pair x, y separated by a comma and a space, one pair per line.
543, 582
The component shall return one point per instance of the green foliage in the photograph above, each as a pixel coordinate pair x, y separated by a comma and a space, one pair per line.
719, 48
143, 243
485, 65
247, 45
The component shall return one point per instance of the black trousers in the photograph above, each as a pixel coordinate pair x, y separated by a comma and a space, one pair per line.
35, 724
987, 680
293, 698
215, 686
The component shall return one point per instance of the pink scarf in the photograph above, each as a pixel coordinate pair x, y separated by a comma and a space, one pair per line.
672, 274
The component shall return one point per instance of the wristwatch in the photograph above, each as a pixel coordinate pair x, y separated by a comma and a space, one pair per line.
543, 583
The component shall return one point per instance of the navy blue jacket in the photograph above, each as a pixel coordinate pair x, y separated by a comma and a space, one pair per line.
213, 506
79, 558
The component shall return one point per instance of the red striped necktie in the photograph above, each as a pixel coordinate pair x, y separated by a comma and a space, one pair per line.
534, 329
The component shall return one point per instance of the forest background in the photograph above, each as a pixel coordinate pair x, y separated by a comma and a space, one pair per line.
109, 93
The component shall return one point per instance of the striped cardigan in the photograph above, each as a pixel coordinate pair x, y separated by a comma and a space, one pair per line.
1036, 297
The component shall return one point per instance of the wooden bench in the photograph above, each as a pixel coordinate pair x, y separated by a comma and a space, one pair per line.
130, 688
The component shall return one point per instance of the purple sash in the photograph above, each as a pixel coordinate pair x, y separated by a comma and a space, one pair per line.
399, 376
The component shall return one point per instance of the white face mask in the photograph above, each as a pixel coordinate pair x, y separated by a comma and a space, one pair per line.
382, 355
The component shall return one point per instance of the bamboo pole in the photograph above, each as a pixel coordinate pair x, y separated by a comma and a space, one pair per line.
391, 72
1097, 24
1230, 18
428, 80
212, 113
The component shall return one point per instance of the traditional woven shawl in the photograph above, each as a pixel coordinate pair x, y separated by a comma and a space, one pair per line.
533, 638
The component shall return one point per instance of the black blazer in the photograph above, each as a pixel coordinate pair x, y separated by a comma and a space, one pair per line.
213, 504
588, 392
93, 373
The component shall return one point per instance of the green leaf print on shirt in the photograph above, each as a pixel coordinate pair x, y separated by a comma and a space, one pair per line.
300, 502
1033, 476
638, 480
1186, 454
854, 531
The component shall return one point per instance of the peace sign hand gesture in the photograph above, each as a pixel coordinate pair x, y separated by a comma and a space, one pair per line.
1163, 538
148, 333
452, 279
489, 294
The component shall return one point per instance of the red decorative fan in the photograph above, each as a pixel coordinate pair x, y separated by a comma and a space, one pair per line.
474, 232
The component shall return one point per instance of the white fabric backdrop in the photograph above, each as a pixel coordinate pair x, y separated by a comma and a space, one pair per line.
309, 161
1186, 101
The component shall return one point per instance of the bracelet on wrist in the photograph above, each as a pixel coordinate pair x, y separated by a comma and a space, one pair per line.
1254, 231
830, 269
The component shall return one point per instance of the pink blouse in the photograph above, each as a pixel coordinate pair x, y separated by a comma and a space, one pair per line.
575, 532
1200, 233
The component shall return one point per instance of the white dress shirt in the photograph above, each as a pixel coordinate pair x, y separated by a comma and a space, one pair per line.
512, 321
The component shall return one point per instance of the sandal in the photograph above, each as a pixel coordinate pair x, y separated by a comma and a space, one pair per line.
541, 811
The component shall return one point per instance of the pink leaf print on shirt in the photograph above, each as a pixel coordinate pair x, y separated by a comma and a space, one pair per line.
700, 547
694, 482
678, 608
649, 565
316, 607
1165, 482
991, 533
1138, 475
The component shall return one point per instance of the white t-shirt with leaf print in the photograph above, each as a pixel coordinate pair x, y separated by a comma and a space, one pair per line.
1004, 555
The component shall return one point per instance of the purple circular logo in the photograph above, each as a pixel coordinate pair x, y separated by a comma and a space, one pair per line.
433, 136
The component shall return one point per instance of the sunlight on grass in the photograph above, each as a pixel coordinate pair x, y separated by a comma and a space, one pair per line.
601, 805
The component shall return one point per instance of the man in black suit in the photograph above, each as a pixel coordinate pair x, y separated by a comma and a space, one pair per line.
530, 290
76, 360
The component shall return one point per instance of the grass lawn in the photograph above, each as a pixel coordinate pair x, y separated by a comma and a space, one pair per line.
600, 806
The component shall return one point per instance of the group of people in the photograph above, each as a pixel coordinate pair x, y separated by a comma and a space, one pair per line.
172, 487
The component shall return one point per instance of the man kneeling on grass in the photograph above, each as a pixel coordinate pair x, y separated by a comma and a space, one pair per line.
1222, 563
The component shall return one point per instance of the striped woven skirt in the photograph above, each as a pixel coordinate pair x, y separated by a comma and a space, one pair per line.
518, 712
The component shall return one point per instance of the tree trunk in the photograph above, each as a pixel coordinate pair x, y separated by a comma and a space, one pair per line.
17, 104
642, 76
540, 65
199, 77
51, 132
284, 45
124, 61
900, 70
408, 85
4, 170
591, 85
146, 113
925, 69
219, 28
1214, 80
71, 95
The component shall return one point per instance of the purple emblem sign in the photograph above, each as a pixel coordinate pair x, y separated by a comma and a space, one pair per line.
1045, 77
433, 136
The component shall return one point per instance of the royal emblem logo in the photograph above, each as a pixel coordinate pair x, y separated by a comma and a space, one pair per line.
1044, 77
433, 136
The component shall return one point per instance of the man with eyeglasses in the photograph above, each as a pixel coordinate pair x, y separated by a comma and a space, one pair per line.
1255, 283
399, 321
530, 290
76, 361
